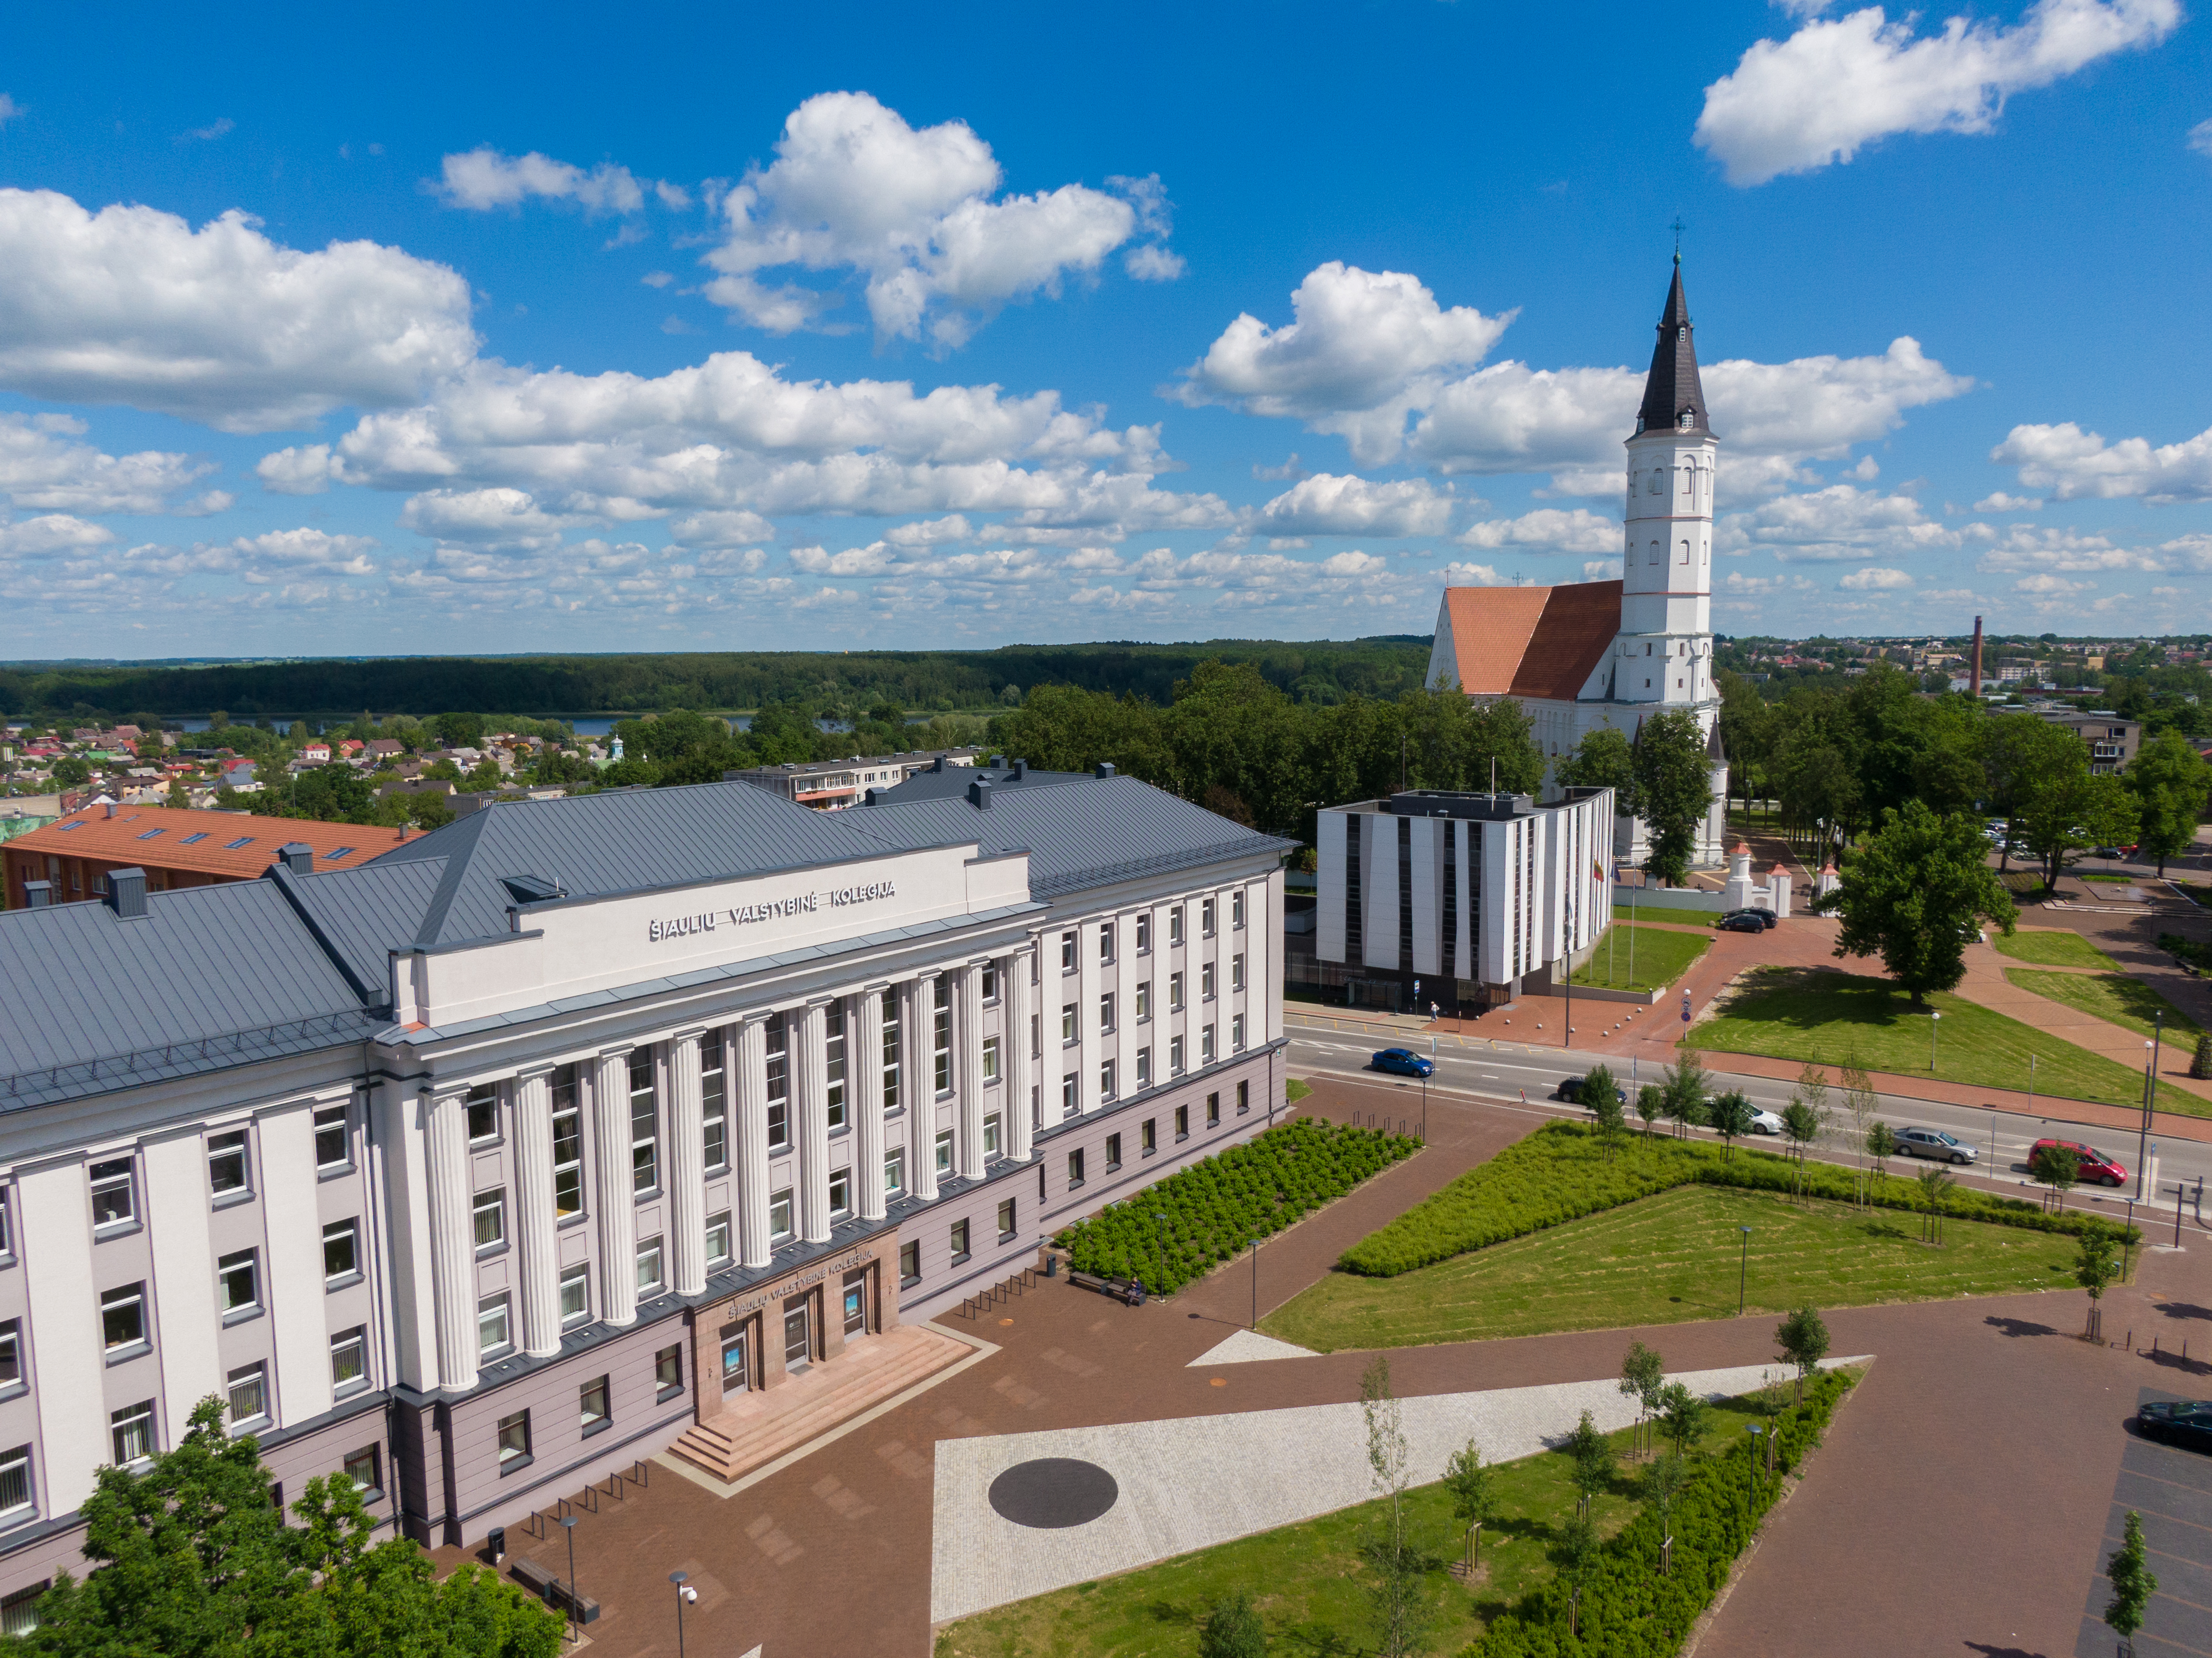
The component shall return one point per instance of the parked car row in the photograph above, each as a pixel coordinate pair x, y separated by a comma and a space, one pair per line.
1752, 918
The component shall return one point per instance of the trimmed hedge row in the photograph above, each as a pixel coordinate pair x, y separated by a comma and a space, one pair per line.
1560, 1174
1217, 1205
1628, 1610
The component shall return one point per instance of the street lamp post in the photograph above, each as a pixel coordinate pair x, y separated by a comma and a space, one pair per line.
1934, 1019
1743, 1270
569, 1524
2150, 1089
1751, 1490
681, 1595
1255, 1283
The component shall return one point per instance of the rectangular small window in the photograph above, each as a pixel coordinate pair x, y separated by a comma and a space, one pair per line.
237, 1279
131, 1430
122, 1317
890, 1058
7, 1224
1106, 1013
490, 1213
1174, 1056
1068, 1022
1067, 952
909, 1264
361, 1468
841, 1192
568, 1144
959, 1241
1205, 1045
226, 1162
342, 1250
591, 1413
1206, 917
1243, 1097
1236, 908
1236, 972
1237, 1034
717, 1239
651, 1279
1113, 1152
112, 1197
11, 1357
333, 1145
991, 1136
492, 1334
895, 1172
833, 1053
941, 1035
249, 1393
1144, 1000
1106, 941
1106, 1079
349, 1358
575, 1293
1148, 1138
990, 984
1206, 981
1174, 925
1213, 1110
644, 1123
668, 1373
1074, 1169
513, 1439
16, 1492
1175, 993
943, 1151
779, 1214
1143, 931
713, 1104
1183, 1122
779, 1082
1144, 1068
484, 1113
990, 1059
1006, 1220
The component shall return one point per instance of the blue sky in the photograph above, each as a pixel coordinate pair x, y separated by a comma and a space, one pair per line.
504, 329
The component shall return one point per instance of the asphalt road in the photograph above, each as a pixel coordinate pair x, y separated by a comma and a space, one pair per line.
1504, 1073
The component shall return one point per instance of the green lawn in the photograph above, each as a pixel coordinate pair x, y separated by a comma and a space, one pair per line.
2053, 950
2021, 880
1670, 1258
1310, 1581
1661, 957
2114, 996
1643, 913
1796, 1013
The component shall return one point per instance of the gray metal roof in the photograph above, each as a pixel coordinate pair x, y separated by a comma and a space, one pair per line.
953, 781
361, 916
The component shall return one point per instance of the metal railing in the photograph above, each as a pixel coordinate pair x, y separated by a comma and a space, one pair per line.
1050, 886
227, 1047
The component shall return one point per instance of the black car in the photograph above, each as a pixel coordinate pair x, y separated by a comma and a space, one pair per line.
1742, 922
2186, 1423
1570, 1089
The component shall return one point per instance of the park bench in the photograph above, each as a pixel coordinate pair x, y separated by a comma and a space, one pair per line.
553, 1591
1120, 1289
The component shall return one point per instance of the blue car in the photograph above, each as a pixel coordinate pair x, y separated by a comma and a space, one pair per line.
1404, 1061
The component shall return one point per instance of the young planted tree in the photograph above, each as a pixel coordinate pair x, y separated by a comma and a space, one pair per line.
1730, 1114
1601, 1098
2057, 1167
1592, 1452
1881, 1146
1685, 1415
2200, 1063
1651, 1099
1473, 1487
1801, 1126
1935, 1186
2133, 1582
1577, 1554
1803, 1339
1642, 1377
1232, 1630
2171, 781
2096, 1268
1662, 1482
1397, 1595
1913, 895
1684, 1084
1862, 1101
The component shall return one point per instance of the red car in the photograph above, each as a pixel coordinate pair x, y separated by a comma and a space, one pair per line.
2095, 1168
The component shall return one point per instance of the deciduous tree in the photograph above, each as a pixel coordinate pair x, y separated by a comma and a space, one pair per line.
1643, 1378
1730, 1114
1473, 1487
2171, 781
2133, 1581
2057, 1167
1684, 1084
1673, 790
1803, 1339
1912, 895
1233, 1628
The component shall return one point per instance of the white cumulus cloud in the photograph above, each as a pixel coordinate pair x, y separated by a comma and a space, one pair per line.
1838, 522
2001, 503
1875, 579
483, 178
1549, 529
2073, 464
1328, 505
42, 466
1838, 84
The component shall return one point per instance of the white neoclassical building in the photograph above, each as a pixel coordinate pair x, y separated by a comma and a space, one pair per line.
1601, 653
579, 1127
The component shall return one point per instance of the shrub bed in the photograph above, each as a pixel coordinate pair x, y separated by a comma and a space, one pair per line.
1628, 1610
1560, 1174
1216, 1207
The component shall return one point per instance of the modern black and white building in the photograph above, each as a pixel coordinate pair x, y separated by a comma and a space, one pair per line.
502, 1161
1459, 900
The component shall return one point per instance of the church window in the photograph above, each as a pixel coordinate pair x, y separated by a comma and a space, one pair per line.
1689, 418
1655, 553
1655, 481
1685, 552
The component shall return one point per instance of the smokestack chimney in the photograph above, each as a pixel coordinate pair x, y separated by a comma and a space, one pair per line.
1974, 670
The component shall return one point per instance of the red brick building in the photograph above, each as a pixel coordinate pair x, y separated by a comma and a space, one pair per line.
175, 848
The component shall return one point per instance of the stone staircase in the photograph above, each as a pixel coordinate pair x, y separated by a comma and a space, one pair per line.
763, 1426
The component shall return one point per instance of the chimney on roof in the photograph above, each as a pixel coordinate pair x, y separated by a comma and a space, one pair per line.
1104, 768
298, 858
869, 799
37, 895
938, 764
998, 763
979, 794
1021, 769
126, 894
110, 812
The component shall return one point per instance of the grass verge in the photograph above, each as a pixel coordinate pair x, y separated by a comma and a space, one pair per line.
1661, 956
1669, 1260
2114, 997
1641, 913
1296, 1089
1798, 1013
2053, 950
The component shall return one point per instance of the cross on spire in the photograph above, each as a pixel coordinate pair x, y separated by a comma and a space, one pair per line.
1677, 227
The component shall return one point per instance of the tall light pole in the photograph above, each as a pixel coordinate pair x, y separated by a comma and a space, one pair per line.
1255, 1283
2150, 1089
1743, 1270
681, 1595
1934, 1019
569, 1524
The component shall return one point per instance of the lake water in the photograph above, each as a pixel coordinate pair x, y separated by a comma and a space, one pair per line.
598, 724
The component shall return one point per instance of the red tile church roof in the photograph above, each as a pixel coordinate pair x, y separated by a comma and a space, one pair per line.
1531, 642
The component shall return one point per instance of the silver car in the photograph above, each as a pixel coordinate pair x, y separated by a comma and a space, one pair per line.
1934, 1144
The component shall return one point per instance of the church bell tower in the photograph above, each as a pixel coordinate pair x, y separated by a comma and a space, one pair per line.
1663, 655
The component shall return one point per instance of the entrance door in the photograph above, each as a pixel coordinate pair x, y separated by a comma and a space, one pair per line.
796, 1346
736, 1375
856, 1309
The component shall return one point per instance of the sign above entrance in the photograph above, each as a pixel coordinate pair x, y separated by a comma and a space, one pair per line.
791, 905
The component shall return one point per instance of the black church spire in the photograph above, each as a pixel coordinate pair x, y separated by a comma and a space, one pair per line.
1673, 399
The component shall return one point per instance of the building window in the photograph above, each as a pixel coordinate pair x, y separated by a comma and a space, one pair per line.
1113, 1152
1144, 1068
1236, 908
333, 1145
490, 1213
909, 1264
668, 1373
1144, 931
349, 1358
1148, 1136
1237, 1034
122, 1317
779, 1082
575, 1293
1106, 1014
1205, 1045
1106, 941
1144, 1000
112, 1197
1243, 1097
833, 1053
131, 1430
959, 1241
841, 1192
513, 1440
717, 1239
943, 1151
1183, 1122
1074, 1169
1206, 918
237, 1277
1175, 993
1106, 1079
1174, 1056
568, 1144
492, 1334
991, 1136
1206, 981
714, 1103
941, 1039
1067, 1022
1069, 1105
1236, 972
14, 1488
644, 1123
890, 1051
1175, 924
7, 1225
990, 984
342, 1251
361, 1468
1213, 1110
895, 1172
1067, 952
483, 1105
651, 1281
990, 1059
226, 1162
1006, 1220
592, 1412
11, 1357
19, 1613
249, 1393
779, 1214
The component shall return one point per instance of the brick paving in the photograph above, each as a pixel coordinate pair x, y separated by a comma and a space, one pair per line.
1985, 1446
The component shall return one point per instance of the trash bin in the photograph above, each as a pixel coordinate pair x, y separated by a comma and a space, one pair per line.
1051, 1266
498, 1542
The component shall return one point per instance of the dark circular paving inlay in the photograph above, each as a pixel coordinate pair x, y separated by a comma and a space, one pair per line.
1054, 1491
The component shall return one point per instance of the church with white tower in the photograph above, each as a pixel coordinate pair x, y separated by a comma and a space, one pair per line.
1602, 654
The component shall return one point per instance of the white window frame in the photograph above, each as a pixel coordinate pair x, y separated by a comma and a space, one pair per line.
494, 1313
15, 1469
233, 1142
247, 1261
139, 1416
567, 1109
490, 1204
356, 1340
895, 1172
652, 1269
644, 1143
714, 1103
347, 1231
128, 1295
779, 1201
338, 1118
1205, 1045
256, 1376
577, 1277
122, 1175
990, 1059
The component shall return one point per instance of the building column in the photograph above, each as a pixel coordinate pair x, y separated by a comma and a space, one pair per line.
452, 1239
535, 1226
1044, 1002
745, 1048
918, 1039
614, 1196
968, 1069
1017, 1001
811, 1097
687, 1166
864, 1093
